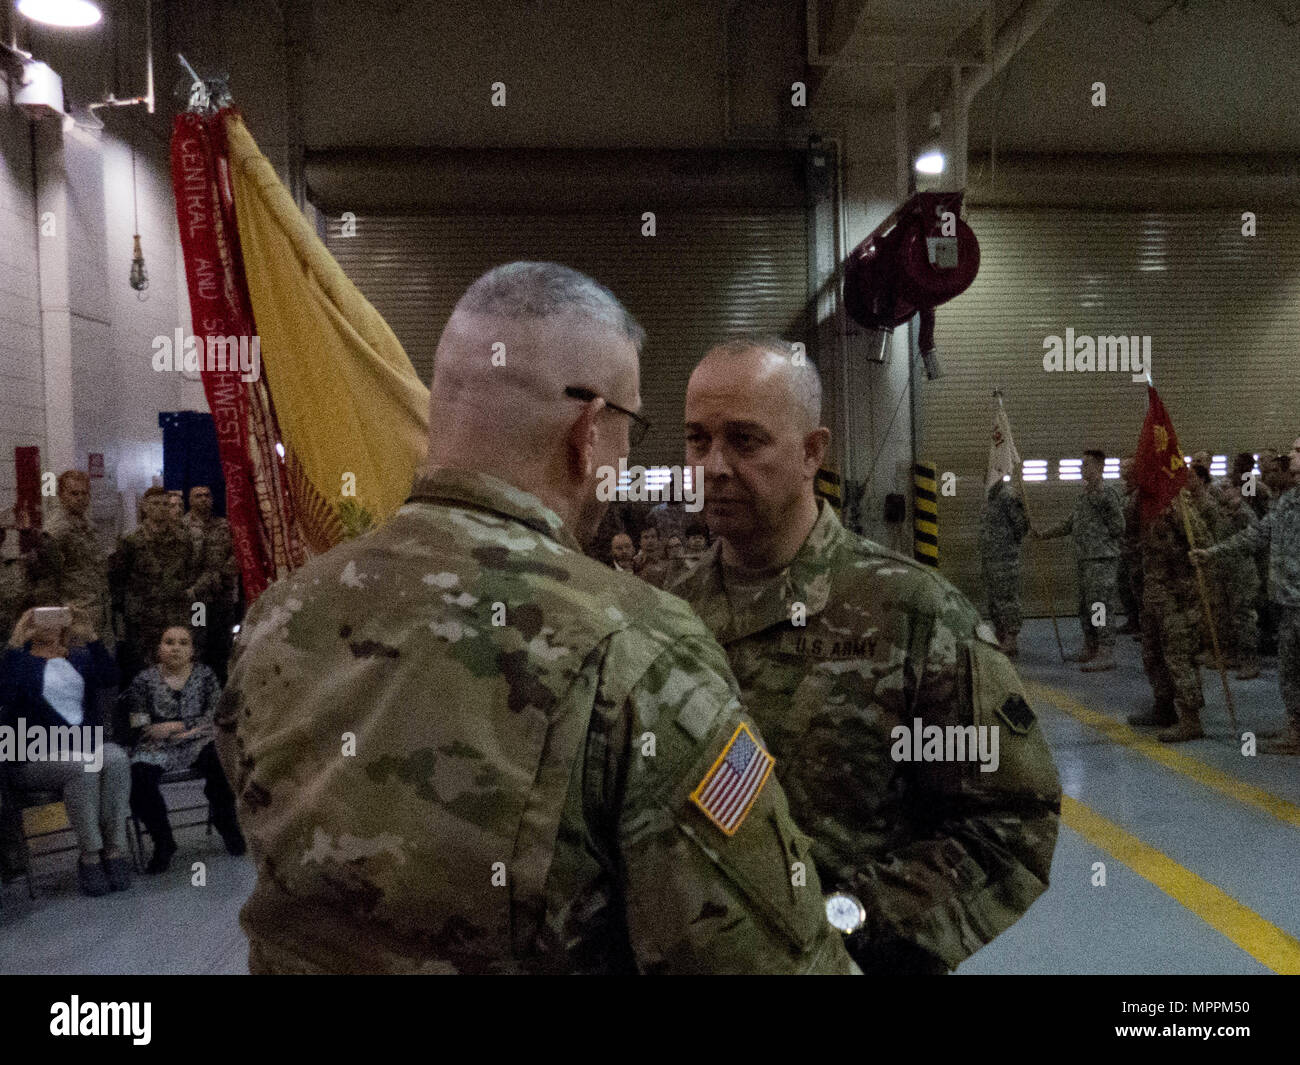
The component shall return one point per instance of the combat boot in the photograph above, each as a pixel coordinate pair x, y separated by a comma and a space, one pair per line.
1287, 743
1008, 645
1187, 728
1086, 655
1159, 716
1249, 669
1103, 661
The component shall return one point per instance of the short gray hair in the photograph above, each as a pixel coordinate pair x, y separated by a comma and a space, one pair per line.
544, 290
805, 382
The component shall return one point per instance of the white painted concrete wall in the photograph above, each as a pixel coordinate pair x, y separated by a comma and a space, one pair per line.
22, 368
76, 342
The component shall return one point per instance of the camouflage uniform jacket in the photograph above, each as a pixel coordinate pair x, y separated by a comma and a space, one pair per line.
1259, 502
13, 594
69, 567
1096, 523
150, 576
1003, 526
1131, 542
943, 857
215, 552
1279, 530
529, 726
1164, 544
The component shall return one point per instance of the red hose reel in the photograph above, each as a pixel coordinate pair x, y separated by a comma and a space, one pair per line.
919, 257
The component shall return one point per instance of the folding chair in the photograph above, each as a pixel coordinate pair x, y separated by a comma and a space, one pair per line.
14, 799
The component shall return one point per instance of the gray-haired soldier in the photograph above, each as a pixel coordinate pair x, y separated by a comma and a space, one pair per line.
463, 746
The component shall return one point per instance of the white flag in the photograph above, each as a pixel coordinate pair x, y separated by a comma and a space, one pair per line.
1003, 455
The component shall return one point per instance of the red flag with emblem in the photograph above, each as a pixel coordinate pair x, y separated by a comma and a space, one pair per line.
1159, 470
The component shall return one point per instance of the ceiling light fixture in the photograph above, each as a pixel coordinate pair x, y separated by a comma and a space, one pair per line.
931, 160
66, 14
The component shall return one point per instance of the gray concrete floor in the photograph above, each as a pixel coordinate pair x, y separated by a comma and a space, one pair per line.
1218, 835
164, 924
1222, 842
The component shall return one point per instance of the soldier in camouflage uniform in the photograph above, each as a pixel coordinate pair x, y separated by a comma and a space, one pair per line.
1002, 531
1097, 524
151, 576
1130, 553
13, 581
1259, 497
218, 586
68, 567
536, 737
1171, 619
1280, 532
1238, 580
838, 643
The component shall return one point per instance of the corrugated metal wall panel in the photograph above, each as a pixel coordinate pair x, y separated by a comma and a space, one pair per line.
704, 275
1223, 314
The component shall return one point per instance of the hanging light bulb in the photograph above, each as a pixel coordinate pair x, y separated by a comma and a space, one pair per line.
931, 159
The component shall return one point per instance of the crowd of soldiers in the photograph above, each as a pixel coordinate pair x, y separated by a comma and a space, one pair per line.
669, 544
1243, 532
177, 567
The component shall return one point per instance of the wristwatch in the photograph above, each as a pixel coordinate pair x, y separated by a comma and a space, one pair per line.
845, 912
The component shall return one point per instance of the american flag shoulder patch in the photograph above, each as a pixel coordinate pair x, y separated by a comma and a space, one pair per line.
731, 786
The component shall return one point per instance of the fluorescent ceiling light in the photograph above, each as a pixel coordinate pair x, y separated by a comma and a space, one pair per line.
932, 162
68, 14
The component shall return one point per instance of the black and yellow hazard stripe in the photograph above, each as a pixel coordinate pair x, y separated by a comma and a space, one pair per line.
925, 514
827, 486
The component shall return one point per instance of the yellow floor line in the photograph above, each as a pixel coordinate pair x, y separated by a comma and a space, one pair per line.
1263, 941
1201, 772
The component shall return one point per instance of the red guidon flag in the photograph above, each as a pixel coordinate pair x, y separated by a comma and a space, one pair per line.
1158, 468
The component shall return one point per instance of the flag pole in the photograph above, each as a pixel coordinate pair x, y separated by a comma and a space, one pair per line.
1205, 602
1209, 617
1047, 584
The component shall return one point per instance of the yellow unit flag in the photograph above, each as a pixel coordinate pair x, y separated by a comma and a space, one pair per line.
351, 410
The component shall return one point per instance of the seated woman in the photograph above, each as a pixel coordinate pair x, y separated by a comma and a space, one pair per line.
172, 704
51, 676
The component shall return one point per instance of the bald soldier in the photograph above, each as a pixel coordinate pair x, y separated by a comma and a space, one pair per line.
460, 745
852, 659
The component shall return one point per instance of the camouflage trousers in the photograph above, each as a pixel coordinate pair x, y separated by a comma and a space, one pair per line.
1265, 609
1130, 586
1171, 637
1002, 582
1238, 624
1288, 660
1098, 584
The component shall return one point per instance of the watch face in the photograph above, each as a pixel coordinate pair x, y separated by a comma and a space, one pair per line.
845, 912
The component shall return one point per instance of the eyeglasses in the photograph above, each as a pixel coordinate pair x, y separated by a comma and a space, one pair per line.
640, 425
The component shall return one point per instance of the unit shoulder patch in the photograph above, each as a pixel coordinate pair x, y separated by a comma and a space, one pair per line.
1016, 713
733, 783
